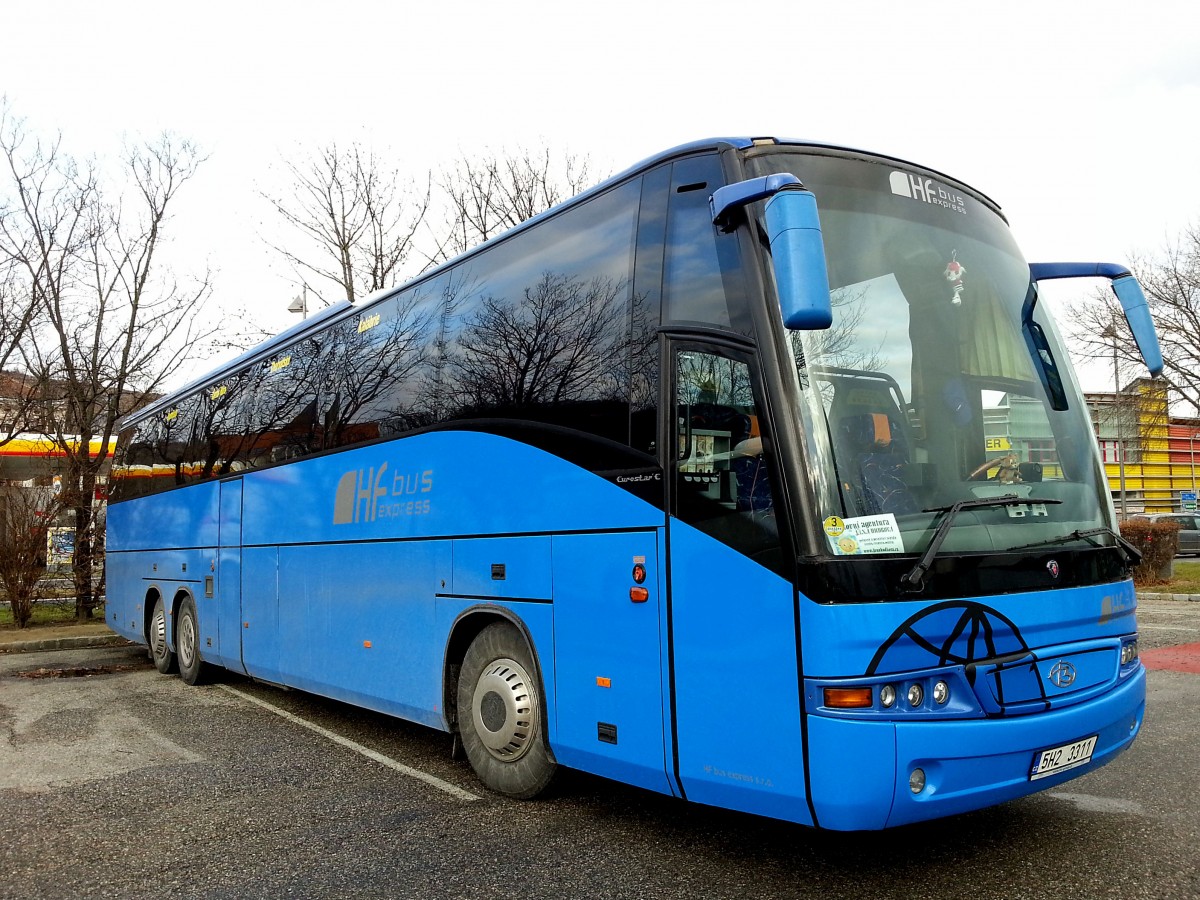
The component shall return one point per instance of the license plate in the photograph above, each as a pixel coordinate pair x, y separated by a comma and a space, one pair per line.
1060, 759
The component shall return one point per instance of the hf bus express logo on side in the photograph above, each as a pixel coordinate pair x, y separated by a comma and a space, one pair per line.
363, 495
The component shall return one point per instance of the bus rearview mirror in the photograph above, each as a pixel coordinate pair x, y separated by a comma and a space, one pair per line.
1137, 314
1129, 293
798, 255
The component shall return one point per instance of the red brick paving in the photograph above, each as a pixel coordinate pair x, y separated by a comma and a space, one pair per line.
1181, 658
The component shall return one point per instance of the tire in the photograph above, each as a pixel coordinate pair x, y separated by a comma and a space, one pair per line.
187, 643
501, 716
160, 650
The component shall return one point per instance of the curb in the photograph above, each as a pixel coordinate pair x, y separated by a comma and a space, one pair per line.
1148, 595
67, 643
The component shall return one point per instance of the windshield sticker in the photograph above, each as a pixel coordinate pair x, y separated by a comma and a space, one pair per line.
865, 534
926, 190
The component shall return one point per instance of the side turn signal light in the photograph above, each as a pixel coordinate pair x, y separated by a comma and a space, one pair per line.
848, 698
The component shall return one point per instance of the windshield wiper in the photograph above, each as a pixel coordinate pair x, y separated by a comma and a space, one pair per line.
915, 579
1128, 551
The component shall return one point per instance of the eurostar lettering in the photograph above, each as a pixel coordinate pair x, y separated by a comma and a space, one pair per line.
927, 190
365, 495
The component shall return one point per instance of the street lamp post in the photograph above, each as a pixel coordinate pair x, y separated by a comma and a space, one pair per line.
300, 304
1192, 456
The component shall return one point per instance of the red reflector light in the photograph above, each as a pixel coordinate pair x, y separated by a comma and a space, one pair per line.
848, 698
639, 594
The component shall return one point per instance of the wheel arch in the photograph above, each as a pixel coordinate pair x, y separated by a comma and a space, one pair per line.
466, 627
153, 595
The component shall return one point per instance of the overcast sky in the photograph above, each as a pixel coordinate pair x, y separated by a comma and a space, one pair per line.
1081, 119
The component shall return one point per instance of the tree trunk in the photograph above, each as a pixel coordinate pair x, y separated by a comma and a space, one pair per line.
82, 561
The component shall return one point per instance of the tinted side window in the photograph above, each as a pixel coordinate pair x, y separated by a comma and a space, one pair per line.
283, 418
537, 332
703, 281
222, 440
158, 454
373, 365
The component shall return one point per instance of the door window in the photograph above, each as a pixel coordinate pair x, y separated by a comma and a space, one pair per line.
723, 477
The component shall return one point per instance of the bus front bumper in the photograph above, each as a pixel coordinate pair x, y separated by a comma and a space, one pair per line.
861, 770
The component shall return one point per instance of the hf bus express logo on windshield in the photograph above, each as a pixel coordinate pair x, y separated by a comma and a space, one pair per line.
926, 189
364, 495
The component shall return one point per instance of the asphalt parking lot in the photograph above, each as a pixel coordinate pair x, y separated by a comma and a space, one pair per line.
126, 783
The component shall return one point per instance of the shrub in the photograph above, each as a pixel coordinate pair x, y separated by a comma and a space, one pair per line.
25, 517
1158, 541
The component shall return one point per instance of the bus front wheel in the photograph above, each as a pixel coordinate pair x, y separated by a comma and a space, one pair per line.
160, 650
187, 643
500, 714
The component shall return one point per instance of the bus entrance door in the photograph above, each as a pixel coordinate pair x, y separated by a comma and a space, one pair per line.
608, 659
229, 576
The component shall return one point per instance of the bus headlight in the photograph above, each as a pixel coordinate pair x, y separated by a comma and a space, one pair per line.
941, 693
887, 696
1129, 652
916, 694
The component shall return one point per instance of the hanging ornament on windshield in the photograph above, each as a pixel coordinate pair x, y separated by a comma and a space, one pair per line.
954, 274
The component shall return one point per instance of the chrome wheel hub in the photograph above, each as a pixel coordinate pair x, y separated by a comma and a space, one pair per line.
186, 644
158, 633
504, 709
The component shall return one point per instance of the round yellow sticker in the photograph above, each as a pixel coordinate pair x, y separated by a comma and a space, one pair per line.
834, 526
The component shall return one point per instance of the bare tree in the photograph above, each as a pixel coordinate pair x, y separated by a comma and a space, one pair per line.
1172, 284
356, 219
111, 325
492, 193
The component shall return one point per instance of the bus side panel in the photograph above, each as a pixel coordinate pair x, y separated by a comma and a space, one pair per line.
228, 578
358, 624
182, 518
608, 663
261, 638
126, 593
737, 686
430, 486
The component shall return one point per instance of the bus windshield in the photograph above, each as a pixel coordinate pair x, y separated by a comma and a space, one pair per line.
925, 392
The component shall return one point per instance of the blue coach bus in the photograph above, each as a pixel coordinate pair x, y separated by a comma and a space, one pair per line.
756, 475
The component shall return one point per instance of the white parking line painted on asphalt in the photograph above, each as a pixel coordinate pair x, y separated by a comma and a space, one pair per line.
431, 780
1092, 803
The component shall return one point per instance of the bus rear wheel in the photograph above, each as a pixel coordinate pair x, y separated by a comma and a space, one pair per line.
500, 715
160, 650
187, 643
